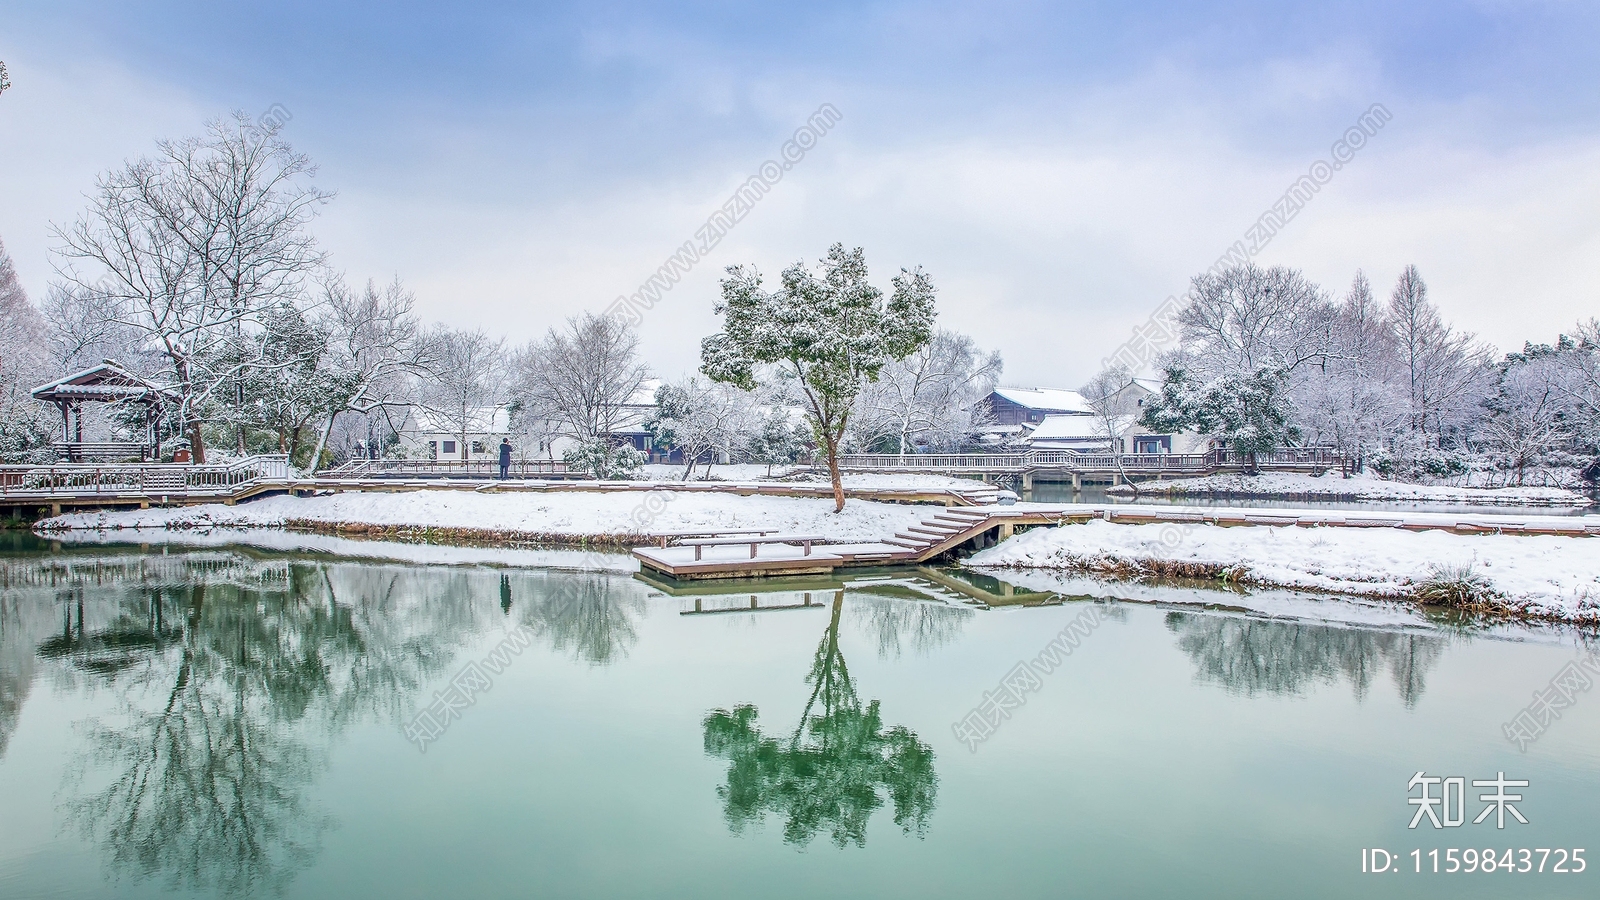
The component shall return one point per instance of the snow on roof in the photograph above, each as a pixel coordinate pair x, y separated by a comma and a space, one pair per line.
105, 381
1153, 385
646, 394
1054, 399
1077, 428
480, 420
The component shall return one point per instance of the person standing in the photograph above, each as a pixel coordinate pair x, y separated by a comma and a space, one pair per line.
505, 458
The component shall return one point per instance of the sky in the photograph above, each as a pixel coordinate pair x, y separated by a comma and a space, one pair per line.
1058, 168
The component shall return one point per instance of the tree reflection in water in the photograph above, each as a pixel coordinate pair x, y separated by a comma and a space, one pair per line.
925, 625
589, 616
1255, 656
829, 773
231, 675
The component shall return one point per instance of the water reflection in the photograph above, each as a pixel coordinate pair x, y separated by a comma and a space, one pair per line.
831, 773
1256, 656
229, 673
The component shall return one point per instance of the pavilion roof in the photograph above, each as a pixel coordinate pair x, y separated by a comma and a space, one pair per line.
105, 383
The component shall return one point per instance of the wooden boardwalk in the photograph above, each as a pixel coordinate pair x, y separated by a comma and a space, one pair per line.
61, 488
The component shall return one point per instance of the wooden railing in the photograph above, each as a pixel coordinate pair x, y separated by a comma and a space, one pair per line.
76, 451
445, 468
149, 479
1069, 460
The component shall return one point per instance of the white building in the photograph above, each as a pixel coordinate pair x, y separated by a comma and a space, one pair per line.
428, 435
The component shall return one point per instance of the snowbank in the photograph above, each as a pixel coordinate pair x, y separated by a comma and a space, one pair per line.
553, 513
1542, 576
383, 551
1333, 486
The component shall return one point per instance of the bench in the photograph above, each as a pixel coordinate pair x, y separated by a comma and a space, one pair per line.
664, 536
804, 540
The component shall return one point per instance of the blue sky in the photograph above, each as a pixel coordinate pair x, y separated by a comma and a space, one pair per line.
1059, 168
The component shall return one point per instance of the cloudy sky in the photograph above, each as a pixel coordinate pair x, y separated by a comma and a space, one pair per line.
1059, 168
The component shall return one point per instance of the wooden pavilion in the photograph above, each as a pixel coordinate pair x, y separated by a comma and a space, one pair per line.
105, 383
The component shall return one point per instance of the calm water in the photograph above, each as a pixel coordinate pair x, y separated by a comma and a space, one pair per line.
227, 722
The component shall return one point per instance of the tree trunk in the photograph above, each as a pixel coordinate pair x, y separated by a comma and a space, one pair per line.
831, 446
322, 441
197, 446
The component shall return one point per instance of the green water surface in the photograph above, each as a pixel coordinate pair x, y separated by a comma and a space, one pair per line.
232, 722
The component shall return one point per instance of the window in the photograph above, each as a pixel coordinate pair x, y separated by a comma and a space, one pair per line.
477, 447
433, 449
450, 447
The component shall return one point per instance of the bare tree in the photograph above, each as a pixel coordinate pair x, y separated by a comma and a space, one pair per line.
468, 379
1112, 416
192, 248
932, 394
375, 349
1245, 319
1446, 373
582, 377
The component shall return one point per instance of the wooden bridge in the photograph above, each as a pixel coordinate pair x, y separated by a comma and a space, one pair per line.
1074, 466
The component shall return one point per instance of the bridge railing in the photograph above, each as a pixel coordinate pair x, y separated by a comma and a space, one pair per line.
77, 479
1293, 457
446, 468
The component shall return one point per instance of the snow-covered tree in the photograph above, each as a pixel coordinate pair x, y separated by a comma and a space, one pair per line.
929, 398
1528, 414
24, 425
1350, 400
830, 331
604, 458
1247, 319
779, 442
192, 248
1446, 374
468, 376
375, 351
697, 417
1252, 413
581, 377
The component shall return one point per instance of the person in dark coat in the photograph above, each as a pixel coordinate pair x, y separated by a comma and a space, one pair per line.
505, 458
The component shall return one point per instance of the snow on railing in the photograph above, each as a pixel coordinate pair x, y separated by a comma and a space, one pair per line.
421, 468
142, 478
1294, 457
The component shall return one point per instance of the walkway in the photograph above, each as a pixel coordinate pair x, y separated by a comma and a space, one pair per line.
1073, 466
59, 488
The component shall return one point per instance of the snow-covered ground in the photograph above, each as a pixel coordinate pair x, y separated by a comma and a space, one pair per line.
377, 550
1539, 575
554, 513
1334, 486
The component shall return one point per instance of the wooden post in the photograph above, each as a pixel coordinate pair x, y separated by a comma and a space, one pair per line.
1077, 482
1007, 529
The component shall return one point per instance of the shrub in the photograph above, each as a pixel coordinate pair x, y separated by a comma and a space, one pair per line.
1458, 587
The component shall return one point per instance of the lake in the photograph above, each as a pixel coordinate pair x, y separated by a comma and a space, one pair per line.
231, 721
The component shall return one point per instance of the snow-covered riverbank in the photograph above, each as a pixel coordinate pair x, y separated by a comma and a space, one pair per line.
552, 515
1335, 487
1535, 576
